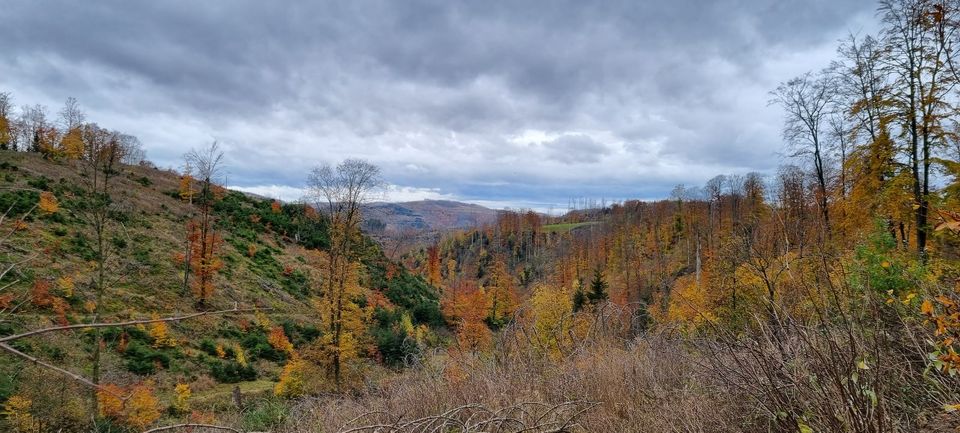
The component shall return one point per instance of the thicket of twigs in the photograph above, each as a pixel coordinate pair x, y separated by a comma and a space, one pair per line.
859, 367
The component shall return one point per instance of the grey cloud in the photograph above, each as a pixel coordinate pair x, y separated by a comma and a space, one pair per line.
575, 148
442, 85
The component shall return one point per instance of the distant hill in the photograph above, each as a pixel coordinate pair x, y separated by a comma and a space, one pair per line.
425, 215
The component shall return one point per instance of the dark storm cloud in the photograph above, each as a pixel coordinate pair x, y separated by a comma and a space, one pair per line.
445, 96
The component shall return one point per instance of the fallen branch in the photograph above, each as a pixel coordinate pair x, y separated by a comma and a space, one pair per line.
473, 418
79, 378
37, 361
179, 426
122, 324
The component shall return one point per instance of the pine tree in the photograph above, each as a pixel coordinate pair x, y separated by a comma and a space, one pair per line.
579, 297
598, 288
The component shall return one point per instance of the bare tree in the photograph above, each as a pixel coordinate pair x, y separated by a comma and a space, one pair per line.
862, 85
133, 152
71, 116
33, 126
341, 192
714, 192
806, 101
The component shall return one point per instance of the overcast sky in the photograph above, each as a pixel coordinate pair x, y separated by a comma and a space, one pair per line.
512, 103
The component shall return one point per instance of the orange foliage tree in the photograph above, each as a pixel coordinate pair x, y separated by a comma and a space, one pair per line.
203, 242
138, 408
467, 307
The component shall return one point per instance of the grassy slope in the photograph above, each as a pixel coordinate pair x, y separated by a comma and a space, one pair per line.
566, 227
146, 278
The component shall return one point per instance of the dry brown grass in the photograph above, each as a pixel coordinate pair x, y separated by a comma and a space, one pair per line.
649, 384
864, 376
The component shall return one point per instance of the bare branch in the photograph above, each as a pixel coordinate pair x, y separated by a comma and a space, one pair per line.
35, 360
191, 426
121, 324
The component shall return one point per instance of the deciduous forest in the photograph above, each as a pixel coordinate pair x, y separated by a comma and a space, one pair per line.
820, 296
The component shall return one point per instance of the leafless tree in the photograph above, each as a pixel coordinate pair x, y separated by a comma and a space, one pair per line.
133, 152
862, 85
71, 116
33, 124
807, 102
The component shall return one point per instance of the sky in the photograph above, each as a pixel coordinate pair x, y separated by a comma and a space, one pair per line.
521, 104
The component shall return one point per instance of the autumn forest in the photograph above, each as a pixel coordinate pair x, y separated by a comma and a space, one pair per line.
822, 295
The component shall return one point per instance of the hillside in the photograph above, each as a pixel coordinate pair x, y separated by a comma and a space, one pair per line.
426, 215
268, 257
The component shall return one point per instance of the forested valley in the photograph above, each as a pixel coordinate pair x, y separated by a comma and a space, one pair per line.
820, 296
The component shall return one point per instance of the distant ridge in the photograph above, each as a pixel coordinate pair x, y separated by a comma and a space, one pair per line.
425, 215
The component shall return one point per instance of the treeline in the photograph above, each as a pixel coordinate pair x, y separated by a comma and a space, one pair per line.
33, 129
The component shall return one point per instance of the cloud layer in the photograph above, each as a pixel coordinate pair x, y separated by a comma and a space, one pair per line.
520, 103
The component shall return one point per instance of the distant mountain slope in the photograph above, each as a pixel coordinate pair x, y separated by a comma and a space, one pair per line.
425, 215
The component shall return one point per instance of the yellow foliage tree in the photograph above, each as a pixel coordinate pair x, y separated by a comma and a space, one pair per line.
503, 300
160, 334
72, 144
143, 408
238, 355
467, 308
344, 320
291, 382
66, 285
48, 203
690, 303
181, 397
17, 412
134, 406
186, 188
552, 311
5, 136
261, 319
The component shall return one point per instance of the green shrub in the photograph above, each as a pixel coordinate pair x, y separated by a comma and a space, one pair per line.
394, 345
18, 201
880, 267
79, 246
208, 346
300, 334
231, 372
258, 347
143, 360
118, 242
41, 183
